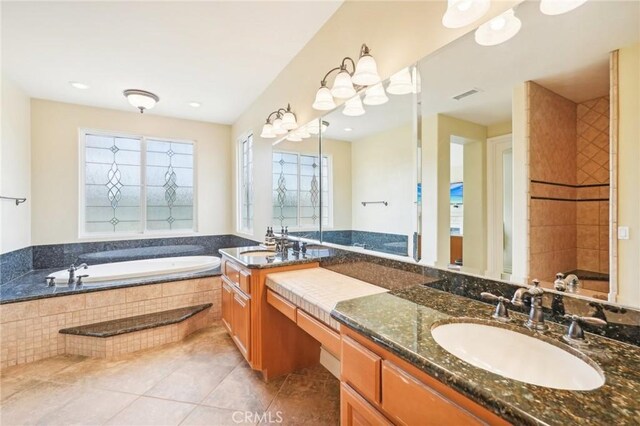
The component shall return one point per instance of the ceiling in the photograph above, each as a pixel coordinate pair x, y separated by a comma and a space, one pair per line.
221, 54
567, 54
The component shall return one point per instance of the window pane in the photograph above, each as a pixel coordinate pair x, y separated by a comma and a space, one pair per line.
112, 184
169, 180
245, 187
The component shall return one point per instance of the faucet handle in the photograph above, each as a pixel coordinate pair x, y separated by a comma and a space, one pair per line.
72, 268
51, 281
575, 333
535, 290
501, 313
80, 277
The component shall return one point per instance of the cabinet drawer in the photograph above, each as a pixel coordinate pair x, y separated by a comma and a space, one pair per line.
328, 338
360, 368
232, 271
281, 304
411, 402
245, 281
355, 411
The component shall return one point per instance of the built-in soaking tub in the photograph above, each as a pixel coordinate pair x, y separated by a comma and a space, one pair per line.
120, 271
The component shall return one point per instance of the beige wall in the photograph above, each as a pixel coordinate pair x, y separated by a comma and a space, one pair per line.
15, 168
499, 129
437, 133
399, 33
629, 174
54, 132
383, 169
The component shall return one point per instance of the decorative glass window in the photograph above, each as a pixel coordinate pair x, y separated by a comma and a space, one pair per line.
245, 186
125, 195
296, 190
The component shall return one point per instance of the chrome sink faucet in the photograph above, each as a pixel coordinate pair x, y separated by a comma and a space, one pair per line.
72, 273
536, 315
575, 333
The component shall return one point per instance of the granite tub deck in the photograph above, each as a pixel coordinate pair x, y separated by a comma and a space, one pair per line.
32, 286
401, 322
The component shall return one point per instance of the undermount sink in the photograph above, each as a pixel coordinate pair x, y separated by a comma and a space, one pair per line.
261, 253
517, 356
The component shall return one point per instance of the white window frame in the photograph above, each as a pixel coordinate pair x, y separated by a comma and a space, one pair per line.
240, 185
142, 232
329, 202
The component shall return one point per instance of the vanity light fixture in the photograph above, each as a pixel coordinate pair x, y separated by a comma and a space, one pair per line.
279, 122
141, 99
375, 95
353, 107
461, 13
364, 73
400, 83
558, 7
294, 137
499, 29
78, 85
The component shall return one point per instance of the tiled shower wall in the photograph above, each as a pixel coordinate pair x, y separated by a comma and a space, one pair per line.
569, 172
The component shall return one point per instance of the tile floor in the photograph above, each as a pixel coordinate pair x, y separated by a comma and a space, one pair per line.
202, 380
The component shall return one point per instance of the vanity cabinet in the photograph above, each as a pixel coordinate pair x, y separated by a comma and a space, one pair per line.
247, 319
379, 388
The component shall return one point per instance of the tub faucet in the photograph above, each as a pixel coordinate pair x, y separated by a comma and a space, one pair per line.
536, 316
72, 271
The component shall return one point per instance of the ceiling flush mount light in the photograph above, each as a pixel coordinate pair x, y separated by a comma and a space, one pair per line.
353, 107
347, 83
499, 29
278, 123
558, 7
375, 95
461, 13
195, 104
78, 85
141, 99
400, 83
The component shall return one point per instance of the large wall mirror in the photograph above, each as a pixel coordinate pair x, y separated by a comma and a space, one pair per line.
517, 149
370, 144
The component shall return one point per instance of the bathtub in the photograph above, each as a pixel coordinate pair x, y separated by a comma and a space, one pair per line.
120, 271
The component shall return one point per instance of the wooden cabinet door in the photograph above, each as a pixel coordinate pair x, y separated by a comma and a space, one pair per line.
242, 322
227, 306
355, 411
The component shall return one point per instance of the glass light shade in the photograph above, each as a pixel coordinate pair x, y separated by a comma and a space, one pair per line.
141, 101
314, 127
267, 131
294, 137
400, 83
353, 107
303, 132
277, 127
558, 7
366, 73
461, 13
289, 121
375, 95
343, 86
499, 29
324, 100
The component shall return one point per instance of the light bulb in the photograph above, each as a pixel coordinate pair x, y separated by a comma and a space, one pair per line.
499, 29
343, 86
353, 107
324, 100
400, 83
267, 131
461, 13
375, 95
366, 73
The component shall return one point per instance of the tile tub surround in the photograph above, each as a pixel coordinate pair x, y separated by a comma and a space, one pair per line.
623, 323
30, 330
401, 322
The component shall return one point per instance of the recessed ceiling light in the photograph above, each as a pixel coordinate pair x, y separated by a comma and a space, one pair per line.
79, 85
195, 104
348, 129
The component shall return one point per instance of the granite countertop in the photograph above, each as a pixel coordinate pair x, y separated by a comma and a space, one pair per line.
401, 322
314, 254
33, 285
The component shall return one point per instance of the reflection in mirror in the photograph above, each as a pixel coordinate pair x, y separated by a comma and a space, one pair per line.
296, 185
372, 193
517, 153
